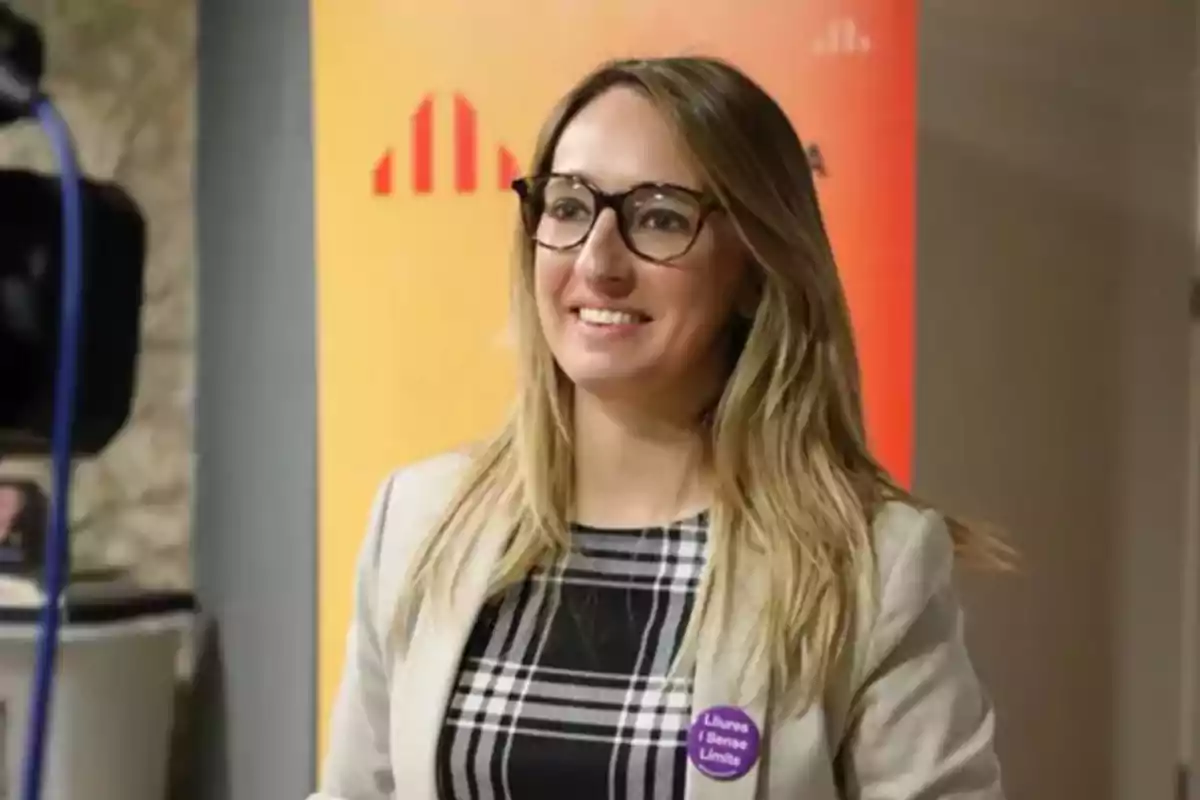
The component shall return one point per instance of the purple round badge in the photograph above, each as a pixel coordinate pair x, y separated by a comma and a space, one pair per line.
723, 742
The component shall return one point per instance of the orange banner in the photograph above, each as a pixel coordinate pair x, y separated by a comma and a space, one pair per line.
424, 112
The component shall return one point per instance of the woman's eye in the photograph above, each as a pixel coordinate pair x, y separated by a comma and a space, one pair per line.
661, 219
566, 210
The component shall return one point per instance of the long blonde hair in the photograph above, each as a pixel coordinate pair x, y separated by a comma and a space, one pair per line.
794, 479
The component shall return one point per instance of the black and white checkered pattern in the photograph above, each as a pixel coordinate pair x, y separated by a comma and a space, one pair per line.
567, 694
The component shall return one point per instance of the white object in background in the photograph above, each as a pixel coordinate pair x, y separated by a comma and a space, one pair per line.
114, 699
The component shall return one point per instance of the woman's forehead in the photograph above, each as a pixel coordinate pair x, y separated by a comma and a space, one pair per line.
619, 139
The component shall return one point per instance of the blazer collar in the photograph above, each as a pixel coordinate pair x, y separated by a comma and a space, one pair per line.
424, 679
421, 685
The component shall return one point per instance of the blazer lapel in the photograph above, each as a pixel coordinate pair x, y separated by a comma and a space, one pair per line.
723, 678
422, 684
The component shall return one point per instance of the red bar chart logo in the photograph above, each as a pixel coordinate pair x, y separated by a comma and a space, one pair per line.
423, 144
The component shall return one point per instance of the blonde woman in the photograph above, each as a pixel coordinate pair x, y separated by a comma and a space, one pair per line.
677, 572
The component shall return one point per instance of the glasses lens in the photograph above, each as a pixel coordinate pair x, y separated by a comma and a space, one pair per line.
559, 211
661, 223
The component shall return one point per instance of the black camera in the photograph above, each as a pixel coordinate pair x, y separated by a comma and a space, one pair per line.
113, 249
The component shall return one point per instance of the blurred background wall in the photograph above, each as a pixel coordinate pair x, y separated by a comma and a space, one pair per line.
1056, 244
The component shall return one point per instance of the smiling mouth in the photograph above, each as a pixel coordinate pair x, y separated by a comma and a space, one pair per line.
608, 316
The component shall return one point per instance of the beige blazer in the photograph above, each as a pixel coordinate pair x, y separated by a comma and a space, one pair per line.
906, 719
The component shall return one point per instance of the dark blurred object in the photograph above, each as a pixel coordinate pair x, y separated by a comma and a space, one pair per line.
23, 508
31, 266
21, 65
30, 300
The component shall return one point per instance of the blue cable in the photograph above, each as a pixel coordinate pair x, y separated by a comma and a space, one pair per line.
54, 579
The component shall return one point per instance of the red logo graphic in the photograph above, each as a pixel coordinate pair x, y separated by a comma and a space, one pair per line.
422, 148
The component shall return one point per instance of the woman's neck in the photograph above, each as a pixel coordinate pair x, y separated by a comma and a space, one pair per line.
634, 467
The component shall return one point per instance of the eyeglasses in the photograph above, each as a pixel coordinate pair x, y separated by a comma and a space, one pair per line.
658, 221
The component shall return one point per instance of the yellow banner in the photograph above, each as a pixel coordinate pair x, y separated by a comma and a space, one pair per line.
423, 112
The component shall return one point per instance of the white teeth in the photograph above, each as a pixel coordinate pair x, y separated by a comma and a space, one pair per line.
605, 316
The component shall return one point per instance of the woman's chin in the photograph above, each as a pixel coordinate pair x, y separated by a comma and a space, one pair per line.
610, 382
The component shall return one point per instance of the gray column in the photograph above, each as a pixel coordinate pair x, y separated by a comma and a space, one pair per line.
255, 515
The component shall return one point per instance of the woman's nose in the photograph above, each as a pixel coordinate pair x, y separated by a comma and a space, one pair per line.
604, 258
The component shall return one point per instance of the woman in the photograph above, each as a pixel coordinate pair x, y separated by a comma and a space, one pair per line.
677, 572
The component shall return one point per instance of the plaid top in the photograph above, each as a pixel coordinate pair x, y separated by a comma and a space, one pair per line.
569, 691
